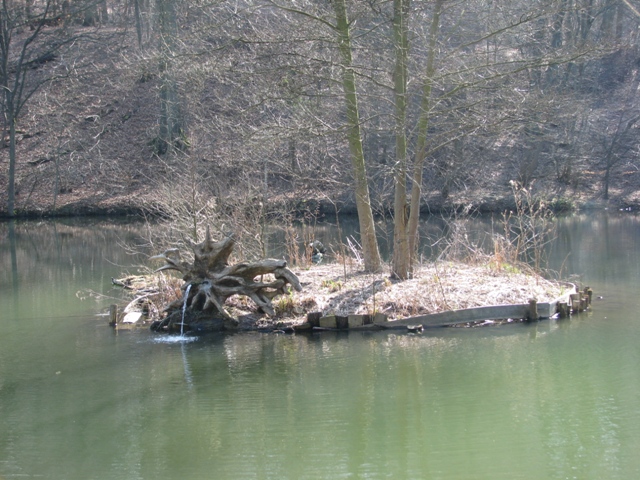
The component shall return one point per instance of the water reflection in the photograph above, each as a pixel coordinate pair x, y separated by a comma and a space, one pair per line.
604, 246
406, 403
14, 260
45, 263
556, 399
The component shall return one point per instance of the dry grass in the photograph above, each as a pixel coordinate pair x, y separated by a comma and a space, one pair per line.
436, 287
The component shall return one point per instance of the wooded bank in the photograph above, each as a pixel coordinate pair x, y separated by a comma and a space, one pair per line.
463, 98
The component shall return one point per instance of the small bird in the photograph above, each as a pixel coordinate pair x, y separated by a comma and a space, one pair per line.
317, 251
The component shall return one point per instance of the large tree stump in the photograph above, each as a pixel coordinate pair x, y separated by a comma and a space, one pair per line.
210, 281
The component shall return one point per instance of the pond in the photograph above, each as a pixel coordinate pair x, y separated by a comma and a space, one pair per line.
550, 400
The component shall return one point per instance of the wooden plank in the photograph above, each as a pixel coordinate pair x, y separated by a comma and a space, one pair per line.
493, 312
355, 320
327, 322
380, 318
547, 309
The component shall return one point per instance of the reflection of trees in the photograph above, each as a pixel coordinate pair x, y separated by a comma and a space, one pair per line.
408, 406
443, 392
50, 251
601, 246
14, 261
59, 251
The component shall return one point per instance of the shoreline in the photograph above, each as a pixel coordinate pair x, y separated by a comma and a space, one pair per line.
437, 288
432, 206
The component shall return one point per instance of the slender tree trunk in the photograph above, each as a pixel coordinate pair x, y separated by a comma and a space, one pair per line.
171, 127
13, 81
11, 191
138, 17
293, 157
423, 127
104, 12
90, 15
401, 263
363, 202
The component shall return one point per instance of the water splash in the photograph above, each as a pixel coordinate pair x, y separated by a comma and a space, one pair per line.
184, 309
173, 339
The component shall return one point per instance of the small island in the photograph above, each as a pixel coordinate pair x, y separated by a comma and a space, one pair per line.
269, 296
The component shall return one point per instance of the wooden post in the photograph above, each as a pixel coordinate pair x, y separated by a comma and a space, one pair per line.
589, 293
584, 303
313, 318
563, 309
532, 314
575, 302
113, 315
342, 322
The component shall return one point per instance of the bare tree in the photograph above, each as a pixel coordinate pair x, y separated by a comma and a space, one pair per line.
23, 49
171, 129
406, 225
363, 200
340, 26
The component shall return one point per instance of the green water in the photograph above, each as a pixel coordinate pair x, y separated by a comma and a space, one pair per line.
552, 400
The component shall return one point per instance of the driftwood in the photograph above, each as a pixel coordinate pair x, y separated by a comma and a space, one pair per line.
210, 281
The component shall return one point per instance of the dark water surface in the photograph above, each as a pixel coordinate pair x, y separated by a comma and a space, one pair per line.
552, 400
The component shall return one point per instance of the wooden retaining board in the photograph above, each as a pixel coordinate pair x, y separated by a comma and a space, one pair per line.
493, 312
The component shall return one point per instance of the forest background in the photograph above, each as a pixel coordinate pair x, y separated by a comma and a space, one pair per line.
253, 109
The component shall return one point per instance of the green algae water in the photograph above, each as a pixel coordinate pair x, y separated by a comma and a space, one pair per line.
558, 399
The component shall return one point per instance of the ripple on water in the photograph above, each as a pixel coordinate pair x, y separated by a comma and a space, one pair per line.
174, 339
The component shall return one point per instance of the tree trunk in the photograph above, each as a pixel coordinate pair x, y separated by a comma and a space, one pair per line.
401, 264
11, 190
104, 12
423, 126
90, 15
138, 17
171, 129
363, 201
